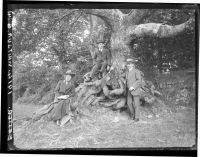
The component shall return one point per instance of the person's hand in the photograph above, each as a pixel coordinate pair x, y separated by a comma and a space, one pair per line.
106, 91
108, 67
131, 88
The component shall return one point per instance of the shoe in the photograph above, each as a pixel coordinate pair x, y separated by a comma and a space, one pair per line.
132, 117
58, 122
100, 75
136, 119
89, 80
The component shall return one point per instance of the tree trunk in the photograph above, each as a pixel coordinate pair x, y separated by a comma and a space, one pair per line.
122, 30
125, 28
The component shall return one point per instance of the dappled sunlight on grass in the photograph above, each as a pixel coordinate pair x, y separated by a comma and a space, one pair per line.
106, 129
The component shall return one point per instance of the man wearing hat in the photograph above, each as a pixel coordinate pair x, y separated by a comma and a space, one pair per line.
134, 84
102, 59
64, 87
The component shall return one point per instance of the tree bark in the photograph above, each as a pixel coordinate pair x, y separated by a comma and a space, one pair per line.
126, 27
135, 16
117, 21
111, 17
158, 29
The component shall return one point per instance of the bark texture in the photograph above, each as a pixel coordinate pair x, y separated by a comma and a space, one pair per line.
158, 30
125, 28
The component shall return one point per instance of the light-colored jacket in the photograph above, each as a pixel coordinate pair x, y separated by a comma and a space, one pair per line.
134, 81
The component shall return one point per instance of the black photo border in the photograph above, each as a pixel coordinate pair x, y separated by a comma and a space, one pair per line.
6, 104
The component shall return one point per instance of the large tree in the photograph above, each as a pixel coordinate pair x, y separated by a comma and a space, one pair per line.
121, 29
58, 36
125, 29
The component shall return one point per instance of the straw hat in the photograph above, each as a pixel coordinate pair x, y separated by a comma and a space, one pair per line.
100, 41
69, 72
132, 60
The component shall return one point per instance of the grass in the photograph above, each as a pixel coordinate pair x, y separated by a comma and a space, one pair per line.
171, 125
158, 127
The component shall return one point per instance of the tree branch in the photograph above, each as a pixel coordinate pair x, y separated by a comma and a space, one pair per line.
158, 30
40, 34
72, 24
136, 16
64, 16
106, 15
91, 26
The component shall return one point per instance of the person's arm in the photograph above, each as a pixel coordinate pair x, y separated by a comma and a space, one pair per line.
108, 57
57, 87
138, 82
77, 89
120, 90
89, 83
94, 57
70, 88
106, 91
138, 75
130, 80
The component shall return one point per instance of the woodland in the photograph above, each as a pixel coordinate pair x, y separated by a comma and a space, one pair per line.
46, 42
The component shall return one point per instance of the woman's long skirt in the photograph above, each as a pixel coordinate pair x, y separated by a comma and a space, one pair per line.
60, 110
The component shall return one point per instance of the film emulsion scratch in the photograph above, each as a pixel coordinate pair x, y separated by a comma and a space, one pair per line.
102, 78
10, 111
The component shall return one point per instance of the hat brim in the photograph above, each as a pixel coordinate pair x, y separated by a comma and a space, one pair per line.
131, 62
72, 74
99, 42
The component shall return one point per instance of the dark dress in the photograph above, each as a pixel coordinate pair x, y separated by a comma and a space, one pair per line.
63, 106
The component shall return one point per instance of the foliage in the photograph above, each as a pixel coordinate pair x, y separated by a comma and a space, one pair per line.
178, 51
48, 41
178, 88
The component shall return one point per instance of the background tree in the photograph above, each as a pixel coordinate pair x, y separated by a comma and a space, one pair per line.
129, 29
65, 38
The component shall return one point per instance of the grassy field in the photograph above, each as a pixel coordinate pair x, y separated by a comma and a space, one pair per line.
158, 127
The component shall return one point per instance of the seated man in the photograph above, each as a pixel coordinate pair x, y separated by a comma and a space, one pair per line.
102, 60
119, 94
116, 95
95, 88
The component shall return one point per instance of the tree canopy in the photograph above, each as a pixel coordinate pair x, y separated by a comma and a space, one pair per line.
48, 40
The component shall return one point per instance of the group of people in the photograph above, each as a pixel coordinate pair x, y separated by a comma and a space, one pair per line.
129, 83
127, 92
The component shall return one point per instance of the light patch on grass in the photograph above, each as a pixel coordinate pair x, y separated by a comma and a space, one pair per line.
101, 132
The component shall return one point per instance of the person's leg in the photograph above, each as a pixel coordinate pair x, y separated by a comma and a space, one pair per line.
97, 100
104, 64
87, 95
56, 111
106, 91
94, 69
111, 103
81, 93
130, 104
137, 107
121, 103
56, 97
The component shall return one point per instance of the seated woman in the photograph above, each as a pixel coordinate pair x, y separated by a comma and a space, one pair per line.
63, 107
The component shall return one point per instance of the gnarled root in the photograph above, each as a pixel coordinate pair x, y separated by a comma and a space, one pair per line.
120, 104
